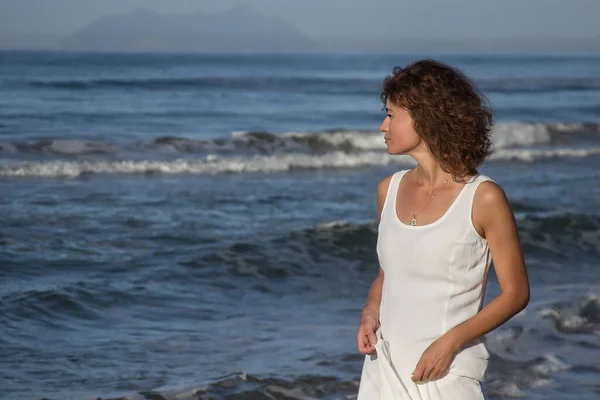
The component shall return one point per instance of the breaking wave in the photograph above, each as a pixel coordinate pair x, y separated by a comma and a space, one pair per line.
213, 164
264, 152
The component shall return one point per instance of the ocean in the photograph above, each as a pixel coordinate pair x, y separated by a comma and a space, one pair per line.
203, 226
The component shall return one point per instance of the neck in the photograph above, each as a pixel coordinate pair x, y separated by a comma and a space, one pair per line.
430, 172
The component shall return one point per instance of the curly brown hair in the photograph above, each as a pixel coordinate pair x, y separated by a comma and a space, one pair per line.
449, 113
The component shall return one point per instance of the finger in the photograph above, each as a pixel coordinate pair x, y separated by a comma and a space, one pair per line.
367, 349
430, 375
439, 372
361, 337
442, 373
372, 337
359, 342
361, 345
426, 374
417, 375
367, 336
433, 373
364, 346
370, 347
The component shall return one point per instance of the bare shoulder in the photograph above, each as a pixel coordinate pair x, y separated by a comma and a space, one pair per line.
383, 185
489, 194
382, 188
490, 206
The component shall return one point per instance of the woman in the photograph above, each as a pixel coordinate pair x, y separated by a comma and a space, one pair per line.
441, 226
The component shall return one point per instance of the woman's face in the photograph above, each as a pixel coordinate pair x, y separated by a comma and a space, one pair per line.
399, 131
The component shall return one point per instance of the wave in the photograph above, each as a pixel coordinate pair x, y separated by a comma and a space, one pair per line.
560, 236
49, 307
505, 135
241, 83
303, 254
60, 147
524, 356
552, 235
582, 317
214, 164
541, 154
311, 256
264, 152
328, 258
541, 84
528, 352
325, 84
209, 165
62, 305
309, 253
241, 385
267, 142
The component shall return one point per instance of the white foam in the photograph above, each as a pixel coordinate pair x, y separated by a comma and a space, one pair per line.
214, 164
538, 383
530, 155
509, 390
504, 135
513, 134
551, 364
209, 165
362, 140
573, 127
333, 224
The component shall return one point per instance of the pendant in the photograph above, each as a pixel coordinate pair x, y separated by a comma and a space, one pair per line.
413, 221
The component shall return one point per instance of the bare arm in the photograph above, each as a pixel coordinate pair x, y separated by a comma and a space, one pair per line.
371, 308
369, 319
494, 220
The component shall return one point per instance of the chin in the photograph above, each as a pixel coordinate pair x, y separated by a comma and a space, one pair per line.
396, 152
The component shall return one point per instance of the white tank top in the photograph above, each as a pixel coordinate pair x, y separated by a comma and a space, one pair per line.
435, 278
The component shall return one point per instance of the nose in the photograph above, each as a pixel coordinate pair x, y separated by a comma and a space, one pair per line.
384, 125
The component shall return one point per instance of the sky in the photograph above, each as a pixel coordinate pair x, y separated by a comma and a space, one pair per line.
338, 23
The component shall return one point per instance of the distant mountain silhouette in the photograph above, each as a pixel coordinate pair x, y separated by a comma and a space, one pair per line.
240, 28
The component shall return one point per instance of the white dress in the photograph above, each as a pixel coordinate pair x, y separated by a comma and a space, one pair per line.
435, 278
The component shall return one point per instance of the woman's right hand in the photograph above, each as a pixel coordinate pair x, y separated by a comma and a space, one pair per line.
366, 338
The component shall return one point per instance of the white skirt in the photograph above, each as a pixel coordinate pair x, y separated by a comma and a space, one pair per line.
383, 379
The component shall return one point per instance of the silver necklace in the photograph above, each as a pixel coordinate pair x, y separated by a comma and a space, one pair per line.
413, 221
